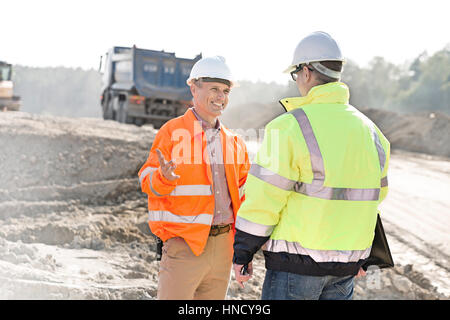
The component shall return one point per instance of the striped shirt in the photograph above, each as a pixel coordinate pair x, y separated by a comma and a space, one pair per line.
223, 210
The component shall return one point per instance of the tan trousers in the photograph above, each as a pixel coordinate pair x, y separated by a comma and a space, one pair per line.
185, 276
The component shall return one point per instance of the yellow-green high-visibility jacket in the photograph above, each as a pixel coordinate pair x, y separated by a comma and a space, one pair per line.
314, 187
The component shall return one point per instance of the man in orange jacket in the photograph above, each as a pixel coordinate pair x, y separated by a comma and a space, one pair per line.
194, 178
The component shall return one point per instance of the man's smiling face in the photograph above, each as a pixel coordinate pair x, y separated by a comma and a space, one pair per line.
210, 99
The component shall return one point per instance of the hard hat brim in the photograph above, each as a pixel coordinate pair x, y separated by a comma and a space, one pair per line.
292, 67
289, 69
233, 84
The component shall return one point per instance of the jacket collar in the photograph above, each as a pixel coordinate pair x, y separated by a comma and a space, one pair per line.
205, 124
193, 124
333, 92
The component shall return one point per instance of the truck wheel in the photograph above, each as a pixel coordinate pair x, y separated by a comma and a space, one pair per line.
122, 116
108, 111
158, 123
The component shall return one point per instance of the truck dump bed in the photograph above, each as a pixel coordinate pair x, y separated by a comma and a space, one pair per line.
145, 86
152, 73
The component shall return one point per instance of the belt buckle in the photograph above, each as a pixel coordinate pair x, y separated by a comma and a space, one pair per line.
216, 230
226, 228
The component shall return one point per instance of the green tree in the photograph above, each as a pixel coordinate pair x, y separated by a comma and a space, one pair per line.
431, 89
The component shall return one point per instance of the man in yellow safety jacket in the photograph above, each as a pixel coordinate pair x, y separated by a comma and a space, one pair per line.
315, 185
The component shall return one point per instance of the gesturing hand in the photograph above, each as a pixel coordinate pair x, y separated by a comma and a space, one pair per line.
167, 167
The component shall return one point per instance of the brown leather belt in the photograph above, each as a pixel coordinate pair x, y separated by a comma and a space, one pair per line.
219, 229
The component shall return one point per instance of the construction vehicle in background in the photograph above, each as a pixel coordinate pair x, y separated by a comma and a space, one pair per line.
144, 86
8, 101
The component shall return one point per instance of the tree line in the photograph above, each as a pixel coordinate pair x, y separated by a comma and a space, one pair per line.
421, 85
58, 90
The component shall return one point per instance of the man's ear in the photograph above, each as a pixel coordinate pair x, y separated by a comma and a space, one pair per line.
193, 88
308, 75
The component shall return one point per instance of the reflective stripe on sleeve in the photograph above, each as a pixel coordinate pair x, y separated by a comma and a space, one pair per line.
380, 150
272, 177
151, 187
181, 190
253, 228
384, 182
317, 255
145, 173
167, 216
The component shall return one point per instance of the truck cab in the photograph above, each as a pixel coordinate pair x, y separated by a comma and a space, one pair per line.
7, 99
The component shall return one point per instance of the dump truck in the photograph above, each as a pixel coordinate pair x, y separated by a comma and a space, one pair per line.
142, 86
8, 101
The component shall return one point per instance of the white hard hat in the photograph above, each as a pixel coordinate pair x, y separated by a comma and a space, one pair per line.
211, 67
318, 46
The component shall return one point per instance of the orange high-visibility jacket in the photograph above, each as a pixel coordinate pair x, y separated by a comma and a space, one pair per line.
185, 207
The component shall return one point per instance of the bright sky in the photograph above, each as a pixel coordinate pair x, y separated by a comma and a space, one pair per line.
256, 37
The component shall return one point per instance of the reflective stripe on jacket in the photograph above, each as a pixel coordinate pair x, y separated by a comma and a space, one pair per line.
185, 207
317, 179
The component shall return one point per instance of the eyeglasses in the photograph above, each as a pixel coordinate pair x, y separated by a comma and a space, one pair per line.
299, 68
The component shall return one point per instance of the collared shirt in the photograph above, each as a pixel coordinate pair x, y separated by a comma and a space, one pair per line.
223, 211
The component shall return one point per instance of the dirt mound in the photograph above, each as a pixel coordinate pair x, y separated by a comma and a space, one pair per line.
73, 221
47, 161
421, 132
